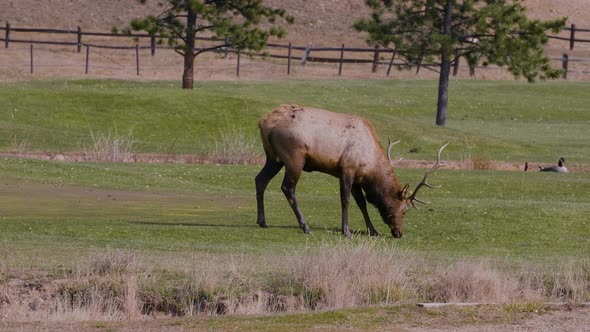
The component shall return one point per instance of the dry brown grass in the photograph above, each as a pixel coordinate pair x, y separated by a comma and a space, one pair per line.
118, 285
472, 282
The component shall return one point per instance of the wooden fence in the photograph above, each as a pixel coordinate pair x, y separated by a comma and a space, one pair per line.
372, 55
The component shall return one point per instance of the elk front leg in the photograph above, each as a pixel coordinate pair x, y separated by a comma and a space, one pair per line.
288, 187
268, 172
345, 188
357, 193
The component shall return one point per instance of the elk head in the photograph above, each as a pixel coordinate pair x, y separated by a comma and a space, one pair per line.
404, 199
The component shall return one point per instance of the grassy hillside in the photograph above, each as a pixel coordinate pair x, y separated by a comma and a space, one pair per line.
508, 121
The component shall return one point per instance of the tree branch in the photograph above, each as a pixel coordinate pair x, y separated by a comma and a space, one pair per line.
212, 48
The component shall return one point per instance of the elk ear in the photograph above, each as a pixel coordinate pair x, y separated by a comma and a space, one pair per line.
404, 193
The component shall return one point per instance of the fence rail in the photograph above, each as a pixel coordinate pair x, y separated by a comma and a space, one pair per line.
572, 37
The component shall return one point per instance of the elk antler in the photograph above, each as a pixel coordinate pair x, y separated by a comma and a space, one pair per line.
389, 151
436, 166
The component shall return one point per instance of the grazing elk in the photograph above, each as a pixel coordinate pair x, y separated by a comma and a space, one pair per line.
344, 146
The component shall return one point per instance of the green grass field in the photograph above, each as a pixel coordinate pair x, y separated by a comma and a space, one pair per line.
55, 214
476, 213
52, 206
512, 121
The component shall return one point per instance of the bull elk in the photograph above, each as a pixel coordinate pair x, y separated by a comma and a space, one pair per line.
344, 146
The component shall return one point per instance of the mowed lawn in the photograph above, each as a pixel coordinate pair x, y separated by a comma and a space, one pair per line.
60, 210
66, 209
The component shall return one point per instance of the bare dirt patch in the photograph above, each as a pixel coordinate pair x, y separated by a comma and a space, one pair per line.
324, 23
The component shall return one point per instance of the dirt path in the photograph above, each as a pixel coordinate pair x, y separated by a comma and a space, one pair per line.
200, 159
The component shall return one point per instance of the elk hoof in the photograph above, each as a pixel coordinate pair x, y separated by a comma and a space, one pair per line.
373, 233
348, 234
306, 229
262, 224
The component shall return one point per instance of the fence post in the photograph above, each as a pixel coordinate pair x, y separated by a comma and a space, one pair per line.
289, 60
341, 60
306, 54
137, 58
32, 58
238, 65
572, 36
564, 64
7, 35
391, 62
153, 44
375, 59
87, 54
79, 39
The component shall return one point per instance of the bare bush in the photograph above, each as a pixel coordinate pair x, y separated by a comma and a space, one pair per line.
234, 147
107, 147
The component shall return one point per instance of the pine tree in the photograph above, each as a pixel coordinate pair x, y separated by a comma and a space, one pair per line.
235, 24
483, 31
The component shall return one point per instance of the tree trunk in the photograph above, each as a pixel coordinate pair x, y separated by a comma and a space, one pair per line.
443, 91
445, 68
187, 74
189, 53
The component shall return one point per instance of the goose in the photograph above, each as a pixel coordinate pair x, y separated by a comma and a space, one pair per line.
559, 168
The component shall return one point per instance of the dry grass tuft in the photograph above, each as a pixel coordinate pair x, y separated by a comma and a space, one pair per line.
103, 288
347, 274
19, 145
568, 282
234, 147
471, 282
478, 162
107, 147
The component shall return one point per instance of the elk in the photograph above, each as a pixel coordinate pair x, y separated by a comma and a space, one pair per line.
344, 146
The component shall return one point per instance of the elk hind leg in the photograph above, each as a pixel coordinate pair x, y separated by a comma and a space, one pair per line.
269, 171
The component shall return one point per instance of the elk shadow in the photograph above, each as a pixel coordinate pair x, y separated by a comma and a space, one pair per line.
205, 224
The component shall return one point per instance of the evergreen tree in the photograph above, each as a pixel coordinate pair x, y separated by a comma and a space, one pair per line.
235, 23
482, 31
